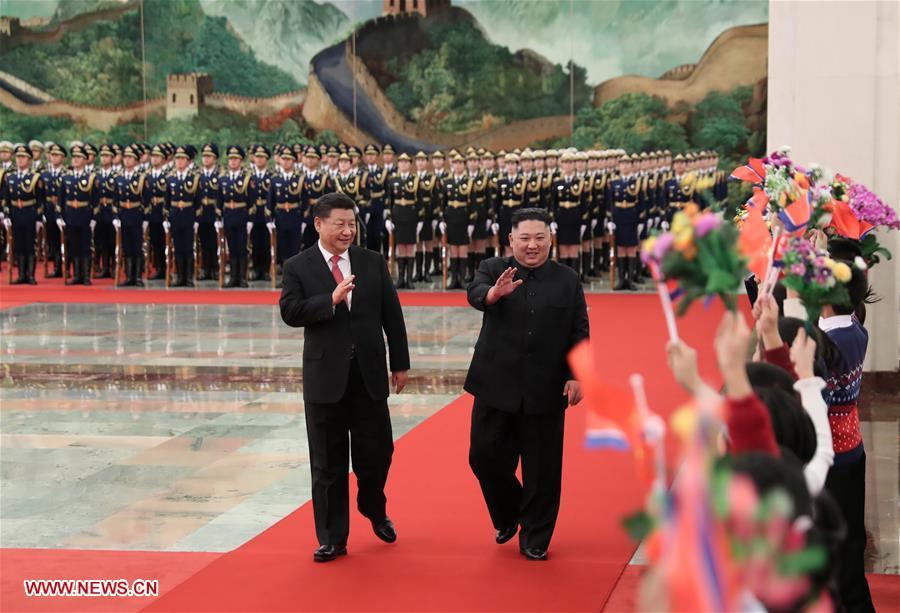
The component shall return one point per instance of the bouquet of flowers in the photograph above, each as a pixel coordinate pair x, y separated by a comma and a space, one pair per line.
817, 279
700, 253
855, 212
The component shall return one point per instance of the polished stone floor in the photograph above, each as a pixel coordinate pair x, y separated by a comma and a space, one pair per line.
181, 427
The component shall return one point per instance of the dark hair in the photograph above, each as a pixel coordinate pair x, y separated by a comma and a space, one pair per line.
792, 426
529, 214
828, 356
857, 288
764, 374
841, 248
333, 200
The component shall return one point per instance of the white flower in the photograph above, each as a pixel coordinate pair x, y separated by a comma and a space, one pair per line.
784, 149
860, 263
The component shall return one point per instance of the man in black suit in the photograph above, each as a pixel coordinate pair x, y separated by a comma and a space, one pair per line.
343, 296
534, 313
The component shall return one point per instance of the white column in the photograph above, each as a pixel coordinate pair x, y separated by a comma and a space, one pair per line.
834, 96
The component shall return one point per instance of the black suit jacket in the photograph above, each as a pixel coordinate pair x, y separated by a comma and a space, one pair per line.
520, 360
332, 332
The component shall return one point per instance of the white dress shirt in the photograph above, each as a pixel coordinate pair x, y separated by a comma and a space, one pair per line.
343, 266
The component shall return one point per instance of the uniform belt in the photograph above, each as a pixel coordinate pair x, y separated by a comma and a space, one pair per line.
457, 204
376, 194
404, 202
569, 204
157, 200
512, 202
76, 204
130, 204
21, 204
624, 204
287, 206
312, 201
106, 200
182, 204
231, 204
208, 201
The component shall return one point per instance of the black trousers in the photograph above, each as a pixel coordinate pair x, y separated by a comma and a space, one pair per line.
847, 485
498, 440
356, 426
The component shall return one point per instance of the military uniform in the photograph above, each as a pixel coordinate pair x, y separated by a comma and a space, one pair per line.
316, 184
209, 214
285, 202
509, 197
24, 207
79, 197
182, 211
458, 216
132, 200
567, 206
261, 182
238, 203
351, 185
156, 185
104, 233
428, 196
52, 177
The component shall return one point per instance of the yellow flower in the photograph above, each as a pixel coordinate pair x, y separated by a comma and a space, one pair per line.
842, 272
681, 222
829, 263
691, 209
647, 246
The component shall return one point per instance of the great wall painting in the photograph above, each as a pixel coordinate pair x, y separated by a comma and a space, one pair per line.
418, 73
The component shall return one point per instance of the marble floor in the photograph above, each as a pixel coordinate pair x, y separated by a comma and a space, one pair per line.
181, 427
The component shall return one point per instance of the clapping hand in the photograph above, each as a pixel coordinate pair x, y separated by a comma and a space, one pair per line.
504, 286
340, 292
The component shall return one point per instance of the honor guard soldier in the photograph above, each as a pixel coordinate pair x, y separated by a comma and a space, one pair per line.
182, 210
331, 161
509, 197
6, 156
23, 210
567, 209
427, 195
481, 209
404, 220
156, 184
3, 206
582, 161
91, 151
209, 216
597, 230
285, 202
259, 236
532, 196
350, 184
79, 196
457, 218
387, 160
52, 177
104, 233
238, 202
37, 153
316, 184
679, 189
355, 159
623, 197
374, 180
132, 199
440, 172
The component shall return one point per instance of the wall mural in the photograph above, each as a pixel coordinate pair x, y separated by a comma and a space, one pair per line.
420, 74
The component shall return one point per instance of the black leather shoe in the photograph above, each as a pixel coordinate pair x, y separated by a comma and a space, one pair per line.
327, 553
385, 530
534, 554
506, 534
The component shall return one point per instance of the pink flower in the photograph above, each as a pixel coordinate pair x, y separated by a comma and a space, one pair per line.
662, 245
705, 224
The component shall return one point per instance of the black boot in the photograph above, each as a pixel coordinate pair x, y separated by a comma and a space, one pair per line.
30, 262
233, 280
401, 273
426, 270
57, 268
139, 271
86, 271
436, 261
410, 272
189, 272
470, 267
180, 272
455, 273
23, 276
637, 275
106, 268
577, 265
586, 269
489, 252
242, 272
597, 263
129, 279
419, 276
622, 282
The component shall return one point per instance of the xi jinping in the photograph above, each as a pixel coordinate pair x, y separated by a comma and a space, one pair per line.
534, 313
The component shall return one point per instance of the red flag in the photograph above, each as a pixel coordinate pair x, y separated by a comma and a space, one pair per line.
845, 221
755, 241
753, 171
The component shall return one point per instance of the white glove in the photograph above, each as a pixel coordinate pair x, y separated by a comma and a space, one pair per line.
166, 226
368, 216
419, 227
593, 224
471, 230
656, 221
144, 226
434, 224
93, 224
249, 227
581, 231
443, 226
38, 225
303, 228
665, 226
611, 227
2, 216
384, 214
218, 225
553, 227
270, 225
640, 228
60, 223
487, 225
196, 226
389, 226
355, 210
117, 224
495, 228
8, 224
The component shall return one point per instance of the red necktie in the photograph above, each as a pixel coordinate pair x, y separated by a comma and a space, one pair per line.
337, 274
